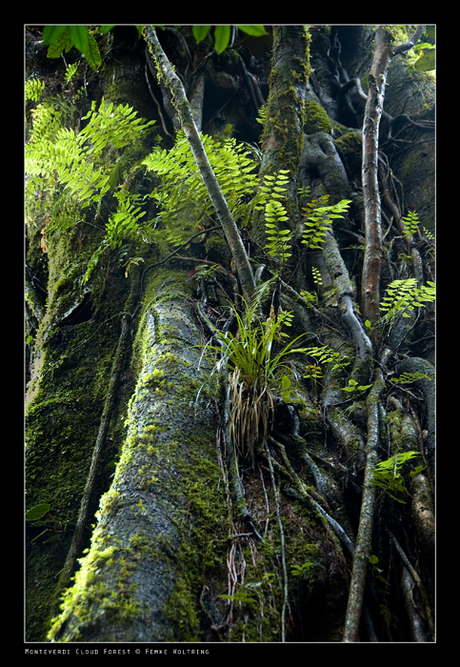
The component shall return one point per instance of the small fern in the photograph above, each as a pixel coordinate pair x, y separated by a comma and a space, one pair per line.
403, 296
33, 89
326, 355
411, 223
124, 223
319, 217
387, 475
409, 378
269, 199
316, 273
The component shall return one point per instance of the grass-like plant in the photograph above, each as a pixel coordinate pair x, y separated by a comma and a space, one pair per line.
255, 359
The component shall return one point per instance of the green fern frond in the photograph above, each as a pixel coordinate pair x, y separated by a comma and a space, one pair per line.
411, 223
319, 218
403, 296
182, 193
33, 89
124, 223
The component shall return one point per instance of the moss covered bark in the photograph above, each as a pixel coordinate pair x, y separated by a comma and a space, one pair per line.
161, 525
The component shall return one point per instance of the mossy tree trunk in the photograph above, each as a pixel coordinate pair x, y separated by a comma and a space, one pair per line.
156, 530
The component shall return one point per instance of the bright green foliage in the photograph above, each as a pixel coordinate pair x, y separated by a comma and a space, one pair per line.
70, 72
182, 197
69, 171
403, 296
319, 217
33, 89
124, 223
61, 38
409, 378
317, 279
222, 34
387, 475
257, 370
269, 199
354, 386
411, 223
326, 355
77, 160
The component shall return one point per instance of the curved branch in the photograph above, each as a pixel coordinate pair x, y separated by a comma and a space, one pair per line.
220, 204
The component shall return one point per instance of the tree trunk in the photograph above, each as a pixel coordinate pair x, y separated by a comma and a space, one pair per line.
146, 520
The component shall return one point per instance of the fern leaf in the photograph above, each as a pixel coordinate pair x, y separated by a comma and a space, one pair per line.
411, 223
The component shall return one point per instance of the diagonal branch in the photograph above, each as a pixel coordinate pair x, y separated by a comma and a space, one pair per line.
184, 112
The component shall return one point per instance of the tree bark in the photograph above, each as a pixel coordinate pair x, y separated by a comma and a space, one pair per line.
372, 263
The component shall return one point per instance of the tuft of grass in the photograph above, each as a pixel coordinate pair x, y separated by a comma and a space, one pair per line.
255, 360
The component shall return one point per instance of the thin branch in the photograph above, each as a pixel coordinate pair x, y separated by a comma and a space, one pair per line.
184, 112
411, 42
363, 540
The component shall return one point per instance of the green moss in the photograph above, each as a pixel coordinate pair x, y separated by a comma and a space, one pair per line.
316, 119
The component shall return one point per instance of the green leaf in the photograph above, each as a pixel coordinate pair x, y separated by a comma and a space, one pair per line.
221, 37
254, 30
52, 32
37, 512
92, 54
106, 28
60, 45
200, 32
426, 62
79, 36
285, 382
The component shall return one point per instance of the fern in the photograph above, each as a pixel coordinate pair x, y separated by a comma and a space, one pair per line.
124, 223
269, 199
77, 161
411, 223
33, 89
387, 475
403, 296
69, 171
182, 195
319, 217
316, 273
326, 355
409, 378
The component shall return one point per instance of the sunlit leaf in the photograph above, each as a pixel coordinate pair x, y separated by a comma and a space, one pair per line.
200, 32
221, 37
79, 35
52, 32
